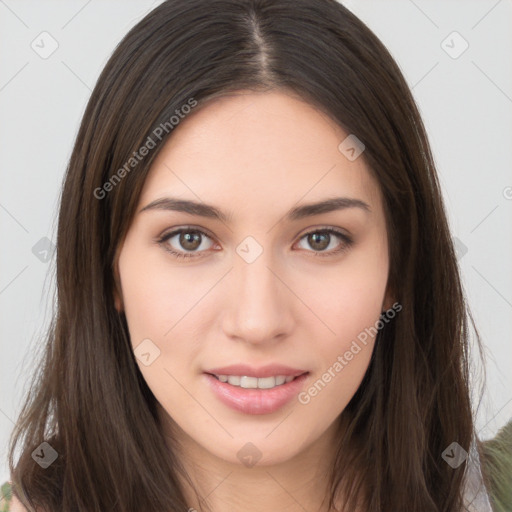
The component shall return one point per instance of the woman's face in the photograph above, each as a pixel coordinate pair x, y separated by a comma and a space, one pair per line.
258, 282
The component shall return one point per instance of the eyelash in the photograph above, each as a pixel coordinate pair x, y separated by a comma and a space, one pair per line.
347, 242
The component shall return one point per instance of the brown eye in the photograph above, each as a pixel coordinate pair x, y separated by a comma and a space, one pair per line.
323, 239
186, 242
190, 242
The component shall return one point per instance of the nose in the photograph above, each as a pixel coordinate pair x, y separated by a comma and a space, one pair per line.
260, 305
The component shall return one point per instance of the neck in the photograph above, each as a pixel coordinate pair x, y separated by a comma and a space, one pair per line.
293, 485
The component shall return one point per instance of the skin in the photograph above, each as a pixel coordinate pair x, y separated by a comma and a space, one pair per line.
254, 156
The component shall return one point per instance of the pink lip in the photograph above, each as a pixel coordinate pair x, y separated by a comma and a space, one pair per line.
263, 371
255, 401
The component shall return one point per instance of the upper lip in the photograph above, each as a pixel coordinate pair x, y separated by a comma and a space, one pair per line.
270, 370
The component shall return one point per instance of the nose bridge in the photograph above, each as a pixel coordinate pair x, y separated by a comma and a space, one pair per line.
259, 309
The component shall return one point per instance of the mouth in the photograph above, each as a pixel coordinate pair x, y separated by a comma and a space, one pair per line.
256, 394
250, 382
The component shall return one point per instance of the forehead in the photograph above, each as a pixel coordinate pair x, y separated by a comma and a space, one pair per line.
253, 152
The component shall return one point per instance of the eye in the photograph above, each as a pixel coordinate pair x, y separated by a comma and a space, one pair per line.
189, 242
187, 239
321, 239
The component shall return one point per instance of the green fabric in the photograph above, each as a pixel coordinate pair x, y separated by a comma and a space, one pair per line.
497, 465
5, 497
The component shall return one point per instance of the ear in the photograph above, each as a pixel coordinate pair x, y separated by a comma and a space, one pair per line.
389, 299
117, 292
118, 301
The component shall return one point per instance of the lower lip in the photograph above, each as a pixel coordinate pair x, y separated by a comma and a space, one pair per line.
255, 401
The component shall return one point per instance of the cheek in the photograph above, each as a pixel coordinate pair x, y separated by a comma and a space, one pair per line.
155, 293
342, 356
156, 298
349, 297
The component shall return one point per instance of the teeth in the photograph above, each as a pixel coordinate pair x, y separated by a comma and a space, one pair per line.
234, 380
255, 382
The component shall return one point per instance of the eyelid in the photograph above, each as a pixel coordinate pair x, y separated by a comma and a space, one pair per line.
168, 233
322, 227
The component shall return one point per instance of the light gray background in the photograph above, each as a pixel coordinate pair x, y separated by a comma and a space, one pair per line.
466, 103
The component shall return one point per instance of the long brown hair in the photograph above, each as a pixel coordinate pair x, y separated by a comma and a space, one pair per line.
90, 401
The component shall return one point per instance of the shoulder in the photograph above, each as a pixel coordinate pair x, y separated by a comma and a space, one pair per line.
8, 500
16, 506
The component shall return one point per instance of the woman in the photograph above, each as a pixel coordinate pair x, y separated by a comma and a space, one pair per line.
259, 304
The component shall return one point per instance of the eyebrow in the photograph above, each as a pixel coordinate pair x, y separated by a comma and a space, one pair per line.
206, 210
